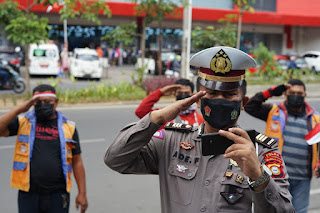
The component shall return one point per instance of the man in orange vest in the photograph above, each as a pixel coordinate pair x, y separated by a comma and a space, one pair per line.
47, 150
289, 122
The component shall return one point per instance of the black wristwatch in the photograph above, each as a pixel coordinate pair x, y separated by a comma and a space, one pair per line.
262, 179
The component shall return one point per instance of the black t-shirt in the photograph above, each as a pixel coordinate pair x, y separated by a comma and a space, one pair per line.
46, 173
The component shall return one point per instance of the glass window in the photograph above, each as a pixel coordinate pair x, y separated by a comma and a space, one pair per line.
262, 5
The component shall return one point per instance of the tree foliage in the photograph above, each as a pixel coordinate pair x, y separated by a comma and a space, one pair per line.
123, 33
211, 36
155, 10
267, 65
8, 11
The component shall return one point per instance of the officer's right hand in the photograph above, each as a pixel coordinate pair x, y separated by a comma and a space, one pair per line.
170, 112
170, 89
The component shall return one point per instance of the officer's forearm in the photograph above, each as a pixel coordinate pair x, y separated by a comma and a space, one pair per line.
127, 146
79, 173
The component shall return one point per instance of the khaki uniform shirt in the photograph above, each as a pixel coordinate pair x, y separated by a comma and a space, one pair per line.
190, 182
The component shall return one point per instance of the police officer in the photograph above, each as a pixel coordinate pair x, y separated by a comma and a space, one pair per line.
246, 172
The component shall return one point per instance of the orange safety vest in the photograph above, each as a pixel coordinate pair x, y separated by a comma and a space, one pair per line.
277, 118
20, 175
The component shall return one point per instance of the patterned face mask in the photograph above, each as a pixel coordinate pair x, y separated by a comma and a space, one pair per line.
220, 113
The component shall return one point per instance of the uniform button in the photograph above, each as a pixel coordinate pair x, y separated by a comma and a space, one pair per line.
203, 209
190, 174
207, 183
223, 179
143, 124
245, 182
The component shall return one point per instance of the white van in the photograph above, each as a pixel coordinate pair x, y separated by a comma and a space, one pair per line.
313, 60
85, 63
44, 59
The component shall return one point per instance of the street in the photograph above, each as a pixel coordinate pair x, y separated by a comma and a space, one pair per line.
107, 190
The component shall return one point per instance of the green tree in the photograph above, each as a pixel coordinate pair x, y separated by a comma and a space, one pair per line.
154, 10
24, 27
211, 36
267, 65
123, 34
241, 6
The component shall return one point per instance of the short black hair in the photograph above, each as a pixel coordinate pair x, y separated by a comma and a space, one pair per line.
185, 82
297, 82
243, 87
43, 88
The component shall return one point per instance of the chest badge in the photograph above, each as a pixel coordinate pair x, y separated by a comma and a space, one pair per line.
186, 145
239, 178
229, 174
181, 168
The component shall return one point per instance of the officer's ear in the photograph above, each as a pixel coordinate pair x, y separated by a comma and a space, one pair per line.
244, 102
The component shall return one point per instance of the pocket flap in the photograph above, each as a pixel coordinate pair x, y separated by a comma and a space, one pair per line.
187, 172
19, 165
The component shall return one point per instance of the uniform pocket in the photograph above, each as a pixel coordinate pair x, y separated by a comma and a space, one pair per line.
235, 194
180, 182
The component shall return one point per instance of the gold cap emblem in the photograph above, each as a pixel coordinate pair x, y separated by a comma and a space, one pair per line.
220, 63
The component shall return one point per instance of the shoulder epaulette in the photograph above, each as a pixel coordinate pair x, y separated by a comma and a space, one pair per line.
178, 127
265, 140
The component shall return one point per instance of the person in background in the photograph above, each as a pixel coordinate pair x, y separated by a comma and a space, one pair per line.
47, 151
183, 88
289, 122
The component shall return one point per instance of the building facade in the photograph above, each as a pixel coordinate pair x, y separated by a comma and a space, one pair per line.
284, 26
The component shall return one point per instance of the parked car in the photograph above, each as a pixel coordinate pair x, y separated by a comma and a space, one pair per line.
283, 61
44, 59
301, 63
151, 58
313, 60
85, 63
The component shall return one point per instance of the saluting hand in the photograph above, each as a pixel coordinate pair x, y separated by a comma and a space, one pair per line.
243, 152
27, 105
170, 89
170, 112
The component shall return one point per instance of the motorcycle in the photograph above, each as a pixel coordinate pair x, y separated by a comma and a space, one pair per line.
15, 82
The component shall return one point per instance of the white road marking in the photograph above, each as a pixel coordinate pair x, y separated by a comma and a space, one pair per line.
97, 140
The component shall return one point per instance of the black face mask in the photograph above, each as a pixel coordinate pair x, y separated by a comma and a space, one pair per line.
295, 101
220, 113
43, 110
183, 96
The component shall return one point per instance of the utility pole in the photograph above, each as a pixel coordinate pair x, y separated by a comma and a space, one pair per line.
186, 39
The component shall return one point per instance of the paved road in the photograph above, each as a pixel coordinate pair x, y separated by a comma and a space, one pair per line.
109, 191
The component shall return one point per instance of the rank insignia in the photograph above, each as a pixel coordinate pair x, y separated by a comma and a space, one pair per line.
179, 127
231, 198
181, 168
207, 111
159, 134
220, 63
265, 140
186, 145
23, 149
239, 178
229, 174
